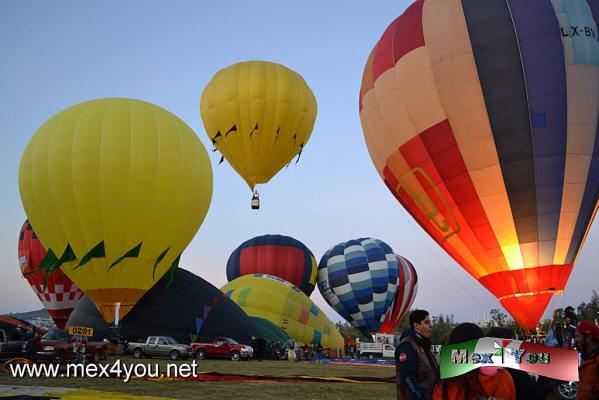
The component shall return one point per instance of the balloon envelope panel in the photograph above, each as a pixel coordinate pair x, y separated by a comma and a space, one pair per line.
269, 331
280, 302
277, 255
481, 118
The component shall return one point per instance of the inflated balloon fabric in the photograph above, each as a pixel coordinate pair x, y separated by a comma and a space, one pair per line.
115, 189
259, 115
57, 293
285, 305
481, 118
358, 278
277, 255
407, 288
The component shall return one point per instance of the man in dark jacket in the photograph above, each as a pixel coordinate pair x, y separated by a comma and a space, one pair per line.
416, 368
570, 323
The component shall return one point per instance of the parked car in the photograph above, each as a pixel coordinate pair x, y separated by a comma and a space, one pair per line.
561, 390
376, 350
57, 346
222, 347
10, 346
160, 346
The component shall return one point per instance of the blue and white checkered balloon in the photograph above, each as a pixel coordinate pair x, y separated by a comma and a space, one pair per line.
358, 278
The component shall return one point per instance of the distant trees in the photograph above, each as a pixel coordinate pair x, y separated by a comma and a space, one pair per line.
444, 323
348, 330
589, 310
498, 318
442, 326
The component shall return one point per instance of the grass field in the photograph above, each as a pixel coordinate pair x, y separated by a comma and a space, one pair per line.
236, 389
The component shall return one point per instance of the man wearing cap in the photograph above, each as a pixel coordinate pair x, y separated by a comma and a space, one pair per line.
587, 342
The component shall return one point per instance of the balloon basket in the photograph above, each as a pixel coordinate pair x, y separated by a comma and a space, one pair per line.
255, 201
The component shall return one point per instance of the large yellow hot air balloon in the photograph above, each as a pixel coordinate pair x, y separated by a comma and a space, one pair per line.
259, 115
115, 189
285, 305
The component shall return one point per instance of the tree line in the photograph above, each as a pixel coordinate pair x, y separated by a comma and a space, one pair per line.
444, 323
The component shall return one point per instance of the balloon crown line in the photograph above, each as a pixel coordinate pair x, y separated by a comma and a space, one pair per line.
51, 262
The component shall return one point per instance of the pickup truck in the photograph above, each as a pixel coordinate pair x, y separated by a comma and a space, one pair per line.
160, 346
9, 347
57, 346
222, 347
376, 350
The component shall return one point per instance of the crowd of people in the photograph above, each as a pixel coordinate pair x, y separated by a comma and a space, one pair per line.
265, 350
351, 351
33, 344
418, 375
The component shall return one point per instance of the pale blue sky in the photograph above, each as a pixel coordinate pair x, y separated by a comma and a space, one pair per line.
59, 53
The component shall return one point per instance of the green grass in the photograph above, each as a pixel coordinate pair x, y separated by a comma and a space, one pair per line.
236, 389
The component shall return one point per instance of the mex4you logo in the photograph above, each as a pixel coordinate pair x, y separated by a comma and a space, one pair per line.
553, 362
501, 351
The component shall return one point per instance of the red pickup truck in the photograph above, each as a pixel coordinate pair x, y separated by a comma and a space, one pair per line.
57, 346
222, 347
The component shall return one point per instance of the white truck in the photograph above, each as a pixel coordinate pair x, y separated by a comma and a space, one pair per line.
386, 338
376, 350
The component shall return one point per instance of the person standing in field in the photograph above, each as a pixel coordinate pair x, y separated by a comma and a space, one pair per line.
416, 368
297, 348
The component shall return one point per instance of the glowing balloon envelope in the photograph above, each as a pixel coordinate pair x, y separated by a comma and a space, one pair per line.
481, 118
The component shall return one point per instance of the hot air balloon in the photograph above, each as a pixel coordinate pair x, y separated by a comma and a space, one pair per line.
407, 287
358, 278
115, 189
277, 255
285, 305
258, 115
481, 118
185, 307
56, 292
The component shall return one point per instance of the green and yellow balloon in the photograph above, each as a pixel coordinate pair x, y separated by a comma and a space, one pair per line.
115, 189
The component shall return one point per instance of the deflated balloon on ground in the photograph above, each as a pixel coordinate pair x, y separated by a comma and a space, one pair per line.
185, 307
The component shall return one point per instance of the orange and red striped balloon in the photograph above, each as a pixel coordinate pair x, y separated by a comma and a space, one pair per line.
481, 118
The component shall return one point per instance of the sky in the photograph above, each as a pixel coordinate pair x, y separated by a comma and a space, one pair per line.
60, 53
